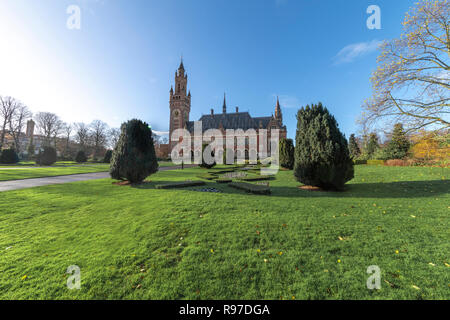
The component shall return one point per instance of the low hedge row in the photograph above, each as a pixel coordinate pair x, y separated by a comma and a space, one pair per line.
223, 180
207, 176
375, 162
255, 178
252, 188
181, 184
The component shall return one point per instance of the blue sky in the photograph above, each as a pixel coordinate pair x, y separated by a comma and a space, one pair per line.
121, 63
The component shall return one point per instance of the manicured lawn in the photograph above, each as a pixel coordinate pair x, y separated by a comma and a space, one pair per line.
38, 172
144, 243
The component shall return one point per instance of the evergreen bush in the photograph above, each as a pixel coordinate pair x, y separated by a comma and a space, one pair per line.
134, 157
322, 157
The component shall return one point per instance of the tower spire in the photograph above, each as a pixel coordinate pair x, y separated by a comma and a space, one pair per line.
278, 114
224, 108
181, 67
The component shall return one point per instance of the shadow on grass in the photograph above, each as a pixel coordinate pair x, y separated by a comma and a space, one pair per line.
404, 189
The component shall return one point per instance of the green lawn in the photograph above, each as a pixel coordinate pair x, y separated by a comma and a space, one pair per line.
27, 170
144, 243
38, 172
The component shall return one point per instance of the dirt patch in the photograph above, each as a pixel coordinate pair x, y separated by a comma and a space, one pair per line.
310, 188
128, 183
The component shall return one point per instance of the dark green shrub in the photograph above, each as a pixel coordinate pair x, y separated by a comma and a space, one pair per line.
107, 157
134, 157
399, 145
46, 157
81, 157
287, 153
9, 156
322, 157
204, 164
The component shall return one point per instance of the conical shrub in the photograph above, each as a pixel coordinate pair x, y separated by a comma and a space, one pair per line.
134, 157
321, 151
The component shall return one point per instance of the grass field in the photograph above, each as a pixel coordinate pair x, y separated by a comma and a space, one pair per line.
143, 243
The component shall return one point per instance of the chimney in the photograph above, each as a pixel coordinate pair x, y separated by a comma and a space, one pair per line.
237, 109
212, 112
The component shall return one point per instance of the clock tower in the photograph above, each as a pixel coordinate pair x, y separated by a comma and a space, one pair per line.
180, 103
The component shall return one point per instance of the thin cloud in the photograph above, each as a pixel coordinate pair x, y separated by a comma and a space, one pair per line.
161, 133
279, 3
287, 101
356, 50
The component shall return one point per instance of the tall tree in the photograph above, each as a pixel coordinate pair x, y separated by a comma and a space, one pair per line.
99, 134
353, 146
412, 82
114, 134
372, 145
17, 124
67, 132
287, 153
82, 135
399, 144
48, 125
8, 106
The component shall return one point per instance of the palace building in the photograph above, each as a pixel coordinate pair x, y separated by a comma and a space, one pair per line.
180, 108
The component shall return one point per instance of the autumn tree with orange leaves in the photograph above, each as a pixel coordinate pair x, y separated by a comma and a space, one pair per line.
412, 82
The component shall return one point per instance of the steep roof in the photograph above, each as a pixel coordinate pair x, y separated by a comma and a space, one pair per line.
237, 120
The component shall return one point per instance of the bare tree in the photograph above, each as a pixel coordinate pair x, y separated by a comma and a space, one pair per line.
114, 134
49, 125
412, 82
8, 106
17, 124
82, 135
99, 134
58, 129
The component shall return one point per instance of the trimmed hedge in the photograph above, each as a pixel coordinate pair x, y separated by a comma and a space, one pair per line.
252, 188
181, 184
360, 161
375, 162
224, 180
255, 178
207, 176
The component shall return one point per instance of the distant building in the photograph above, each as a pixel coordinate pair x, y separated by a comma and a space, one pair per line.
25, 139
